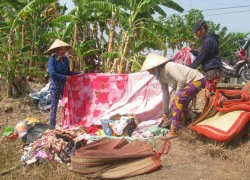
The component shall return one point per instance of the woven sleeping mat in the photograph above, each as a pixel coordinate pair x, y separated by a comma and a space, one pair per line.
225, 115
114, 158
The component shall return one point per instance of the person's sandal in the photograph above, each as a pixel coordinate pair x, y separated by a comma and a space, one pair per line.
166, 124
169, 136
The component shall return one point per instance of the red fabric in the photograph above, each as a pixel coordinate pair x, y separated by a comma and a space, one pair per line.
92, 129
226, 101
242, 55
231, 100
183, 57
12, 136
212, 84
242, 52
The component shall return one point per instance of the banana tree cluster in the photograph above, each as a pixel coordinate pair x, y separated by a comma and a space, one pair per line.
106, 35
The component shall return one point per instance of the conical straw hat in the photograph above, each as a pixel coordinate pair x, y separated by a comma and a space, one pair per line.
56, 44
152, 61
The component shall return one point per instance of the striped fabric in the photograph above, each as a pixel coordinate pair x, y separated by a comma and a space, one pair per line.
114, 158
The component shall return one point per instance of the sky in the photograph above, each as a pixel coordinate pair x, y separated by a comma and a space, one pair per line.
228, 13
232, 14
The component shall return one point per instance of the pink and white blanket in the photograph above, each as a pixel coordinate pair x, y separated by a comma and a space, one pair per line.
184, 56
89, 97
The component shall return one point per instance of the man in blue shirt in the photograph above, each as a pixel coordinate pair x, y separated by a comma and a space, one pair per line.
209, 55
59, 71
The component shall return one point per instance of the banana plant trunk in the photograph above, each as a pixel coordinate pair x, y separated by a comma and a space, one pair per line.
74, 43
10, 78
23, 36
95, 35
111, 40
124, 52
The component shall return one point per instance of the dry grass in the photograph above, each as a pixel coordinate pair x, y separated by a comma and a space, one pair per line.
188, 135
11, 151
12, 168
216, 149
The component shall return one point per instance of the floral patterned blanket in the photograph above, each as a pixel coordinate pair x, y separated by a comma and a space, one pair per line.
89, 97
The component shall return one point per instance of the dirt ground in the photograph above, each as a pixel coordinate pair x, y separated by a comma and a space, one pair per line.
191, 156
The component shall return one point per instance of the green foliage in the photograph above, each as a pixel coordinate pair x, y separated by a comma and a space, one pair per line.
145, 44
101, 6
26, 48
111, 55
230, 44
179, 29
86, 48
64, 18
40, 59
31, 7
25, 34
90, 52
29, 27
137, 62
172, 5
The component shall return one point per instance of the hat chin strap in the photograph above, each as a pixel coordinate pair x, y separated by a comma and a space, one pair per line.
157, 73
57, 56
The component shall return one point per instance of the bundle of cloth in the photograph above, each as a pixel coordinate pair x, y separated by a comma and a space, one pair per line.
184, 56
42, 98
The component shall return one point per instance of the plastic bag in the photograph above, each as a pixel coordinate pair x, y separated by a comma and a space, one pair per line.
35, 131
21, 128
8, 130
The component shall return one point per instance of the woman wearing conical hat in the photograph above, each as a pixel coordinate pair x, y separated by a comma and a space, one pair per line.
185, 81
59, 71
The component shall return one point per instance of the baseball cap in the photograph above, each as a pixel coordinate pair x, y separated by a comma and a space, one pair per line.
198, 24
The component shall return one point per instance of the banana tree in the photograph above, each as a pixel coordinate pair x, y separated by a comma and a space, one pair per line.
8, 43
22, 25
82, 28
110, 38
136, 21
